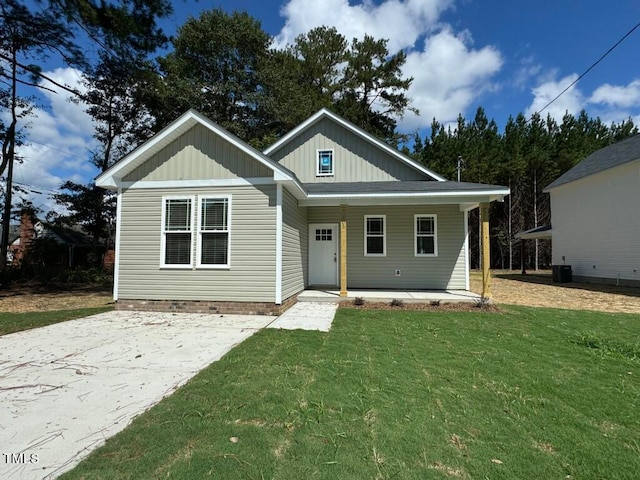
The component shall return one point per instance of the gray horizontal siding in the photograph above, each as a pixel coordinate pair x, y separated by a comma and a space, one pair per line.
252, 273
355, 160
199, 154
446, 271
294, 246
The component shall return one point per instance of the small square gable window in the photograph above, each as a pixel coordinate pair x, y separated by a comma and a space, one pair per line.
325, 163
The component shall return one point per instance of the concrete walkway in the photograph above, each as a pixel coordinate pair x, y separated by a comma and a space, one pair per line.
67, 387
307, 316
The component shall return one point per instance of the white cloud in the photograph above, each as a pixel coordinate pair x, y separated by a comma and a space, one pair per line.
400, 21
617, 96
571, 101
448, 76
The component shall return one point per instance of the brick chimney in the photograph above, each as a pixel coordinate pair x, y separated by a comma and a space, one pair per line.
27, 233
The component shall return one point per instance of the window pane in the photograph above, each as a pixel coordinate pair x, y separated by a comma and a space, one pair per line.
214, 248
178, 249
375, 245
214, 214
425, 246
178, 214
375, 226
325, 162
425, 225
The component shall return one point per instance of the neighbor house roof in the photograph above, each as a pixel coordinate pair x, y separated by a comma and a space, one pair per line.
536, 233
112, 177
608, 157
324, 113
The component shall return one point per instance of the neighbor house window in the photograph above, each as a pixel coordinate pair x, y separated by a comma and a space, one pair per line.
426, 240
325, 163
213, 232
176, 232
375, 235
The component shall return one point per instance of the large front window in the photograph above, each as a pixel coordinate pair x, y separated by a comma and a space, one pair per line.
375, 235
213, 232
176, 232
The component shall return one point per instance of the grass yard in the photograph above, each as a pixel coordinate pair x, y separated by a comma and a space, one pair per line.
16, 322
528, 393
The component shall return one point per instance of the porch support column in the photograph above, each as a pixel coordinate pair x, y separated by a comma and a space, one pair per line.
486, 251
343, 251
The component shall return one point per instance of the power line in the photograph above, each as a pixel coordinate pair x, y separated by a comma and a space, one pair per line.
590, 68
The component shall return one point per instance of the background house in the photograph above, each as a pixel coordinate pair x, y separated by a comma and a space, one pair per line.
595, 216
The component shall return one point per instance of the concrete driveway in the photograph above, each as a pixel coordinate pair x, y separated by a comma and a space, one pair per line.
67, 387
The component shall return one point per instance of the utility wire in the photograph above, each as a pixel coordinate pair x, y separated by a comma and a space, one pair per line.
590, 68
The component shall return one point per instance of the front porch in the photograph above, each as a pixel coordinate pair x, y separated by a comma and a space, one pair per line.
374, 295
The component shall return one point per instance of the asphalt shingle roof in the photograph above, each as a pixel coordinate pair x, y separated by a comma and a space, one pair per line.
619, 153
397, 187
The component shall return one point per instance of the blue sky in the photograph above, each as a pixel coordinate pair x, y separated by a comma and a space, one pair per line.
506, 56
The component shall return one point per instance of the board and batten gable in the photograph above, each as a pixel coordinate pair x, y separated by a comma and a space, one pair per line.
596, 224
355, 160
199, 154
295, 241
251, 275
447, 270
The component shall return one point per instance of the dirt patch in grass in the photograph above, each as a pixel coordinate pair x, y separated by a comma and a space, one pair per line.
538, 290
39, 298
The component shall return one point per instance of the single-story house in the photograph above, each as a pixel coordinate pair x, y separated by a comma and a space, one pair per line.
69, 247
595, 215
205, 222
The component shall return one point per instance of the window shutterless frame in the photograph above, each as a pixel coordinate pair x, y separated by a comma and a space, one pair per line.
425, 235
325, 163
176, 238
213, 246
375, 235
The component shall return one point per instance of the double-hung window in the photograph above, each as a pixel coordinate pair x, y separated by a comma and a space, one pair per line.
325, 163
213, 232
426, 236
375, 243
176, 232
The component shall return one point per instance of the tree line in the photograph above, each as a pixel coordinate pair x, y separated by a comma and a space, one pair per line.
223, 65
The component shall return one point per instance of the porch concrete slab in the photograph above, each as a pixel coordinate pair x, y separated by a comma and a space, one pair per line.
67, 387
407, 296
307, 316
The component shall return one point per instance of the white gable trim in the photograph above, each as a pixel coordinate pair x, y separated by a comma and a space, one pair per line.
113, 176
324, 113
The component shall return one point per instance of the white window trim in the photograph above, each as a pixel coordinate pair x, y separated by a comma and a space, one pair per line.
384, 236
199, 233
435, 235
333, 162
163, 242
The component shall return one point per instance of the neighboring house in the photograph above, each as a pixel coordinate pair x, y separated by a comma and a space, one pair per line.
595, 214
68, 247
206, 222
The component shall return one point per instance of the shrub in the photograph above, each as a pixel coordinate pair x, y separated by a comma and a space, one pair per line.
396, 302
358, 301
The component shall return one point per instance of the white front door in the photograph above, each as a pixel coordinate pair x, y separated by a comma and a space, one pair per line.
323, 254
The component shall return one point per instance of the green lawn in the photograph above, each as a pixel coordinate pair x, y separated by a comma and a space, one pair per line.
16, 322
525, 394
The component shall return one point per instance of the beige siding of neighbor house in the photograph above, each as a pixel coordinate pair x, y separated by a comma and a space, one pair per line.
446, 271
295, 243
355, 160
196, 155
251, 276
596, 224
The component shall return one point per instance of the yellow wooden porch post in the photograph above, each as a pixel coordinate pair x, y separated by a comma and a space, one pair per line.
486, 251
343, 251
